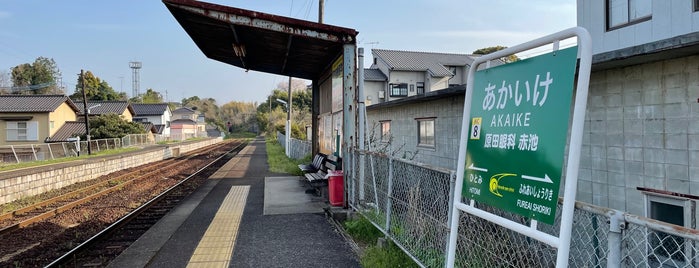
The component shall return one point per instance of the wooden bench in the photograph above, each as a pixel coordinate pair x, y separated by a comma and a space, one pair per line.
319, 179
315, 165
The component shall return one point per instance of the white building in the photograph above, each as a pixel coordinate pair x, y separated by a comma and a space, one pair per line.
157, 113
641, 143
396, 74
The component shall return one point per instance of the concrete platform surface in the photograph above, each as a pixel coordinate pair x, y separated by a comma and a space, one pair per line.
244, 216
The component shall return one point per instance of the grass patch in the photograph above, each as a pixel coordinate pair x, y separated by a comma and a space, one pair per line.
241, 135
279, 163
362, 230
65, 159
387, 256
366, 234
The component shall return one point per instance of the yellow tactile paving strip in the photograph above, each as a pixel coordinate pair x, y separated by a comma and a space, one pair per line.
216, 247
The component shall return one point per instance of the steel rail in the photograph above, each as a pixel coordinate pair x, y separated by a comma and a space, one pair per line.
128, 217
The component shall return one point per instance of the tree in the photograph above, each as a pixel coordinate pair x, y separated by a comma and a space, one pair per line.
488, 50
112, 126
38, 77
240, 115
272, 114
5, 82
95, 89
187, 102
151, 96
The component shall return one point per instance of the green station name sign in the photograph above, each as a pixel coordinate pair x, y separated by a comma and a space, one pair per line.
517, 134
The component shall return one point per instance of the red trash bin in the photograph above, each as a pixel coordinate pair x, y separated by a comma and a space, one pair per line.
336, 188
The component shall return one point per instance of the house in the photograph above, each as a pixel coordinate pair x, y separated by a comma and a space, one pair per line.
96, 108
201, 125
396, 74
158, 114
184, 124
423, 128
641, 142
30, 119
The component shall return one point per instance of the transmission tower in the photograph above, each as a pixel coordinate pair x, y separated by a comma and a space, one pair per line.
135, 79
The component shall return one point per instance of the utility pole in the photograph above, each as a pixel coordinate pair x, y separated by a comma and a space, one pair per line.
288, 123
321, 10
87, 118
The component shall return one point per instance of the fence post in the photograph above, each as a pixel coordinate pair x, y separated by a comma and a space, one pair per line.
389, 195
616, 225
65, 151
350, 179
14, 153
34, 152
50, 151
452, 193
362, 159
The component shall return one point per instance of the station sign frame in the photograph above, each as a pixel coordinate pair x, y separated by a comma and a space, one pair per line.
537, 182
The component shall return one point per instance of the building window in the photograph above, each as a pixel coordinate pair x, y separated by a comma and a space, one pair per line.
385, 131
22, 131
412, 87
664, 247
51, 124
425, 132
399, 90
421, 86
622, 13
696, 5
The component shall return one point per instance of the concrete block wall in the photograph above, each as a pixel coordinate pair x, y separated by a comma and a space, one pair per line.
447, 112
34, 181
641, 130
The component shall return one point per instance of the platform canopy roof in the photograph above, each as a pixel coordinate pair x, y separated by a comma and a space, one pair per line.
261, 42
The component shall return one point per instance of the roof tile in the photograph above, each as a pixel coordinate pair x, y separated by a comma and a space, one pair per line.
33, 103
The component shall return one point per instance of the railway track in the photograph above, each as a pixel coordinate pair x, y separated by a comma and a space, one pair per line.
28, 221
28, 215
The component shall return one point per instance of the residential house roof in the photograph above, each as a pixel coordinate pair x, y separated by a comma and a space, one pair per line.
33, 103
374, 75
183, 110
145, 109
435, 63
106, 107
148, 126
159, 128
450, 92
68, 130
183, 121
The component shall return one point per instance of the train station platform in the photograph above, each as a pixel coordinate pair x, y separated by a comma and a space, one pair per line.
244, 216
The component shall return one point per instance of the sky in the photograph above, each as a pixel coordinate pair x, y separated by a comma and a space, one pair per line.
104, 36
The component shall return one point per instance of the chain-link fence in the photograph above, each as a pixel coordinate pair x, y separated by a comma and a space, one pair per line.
298, 148
13, 154
410, 203
137, 140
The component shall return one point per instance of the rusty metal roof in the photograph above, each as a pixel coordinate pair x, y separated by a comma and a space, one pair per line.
261, 42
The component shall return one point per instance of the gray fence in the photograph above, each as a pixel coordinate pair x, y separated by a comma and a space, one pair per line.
13, 154
410, 203
299, 148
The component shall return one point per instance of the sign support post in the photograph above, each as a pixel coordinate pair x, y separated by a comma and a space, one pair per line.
513, 141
